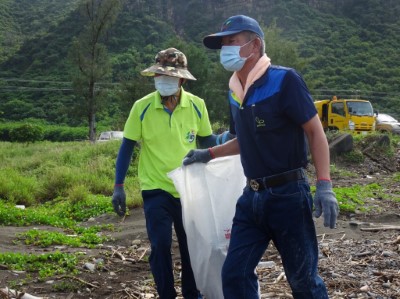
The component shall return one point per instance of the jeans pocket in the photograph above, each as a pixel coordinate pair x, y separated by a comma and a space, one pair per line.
287, 190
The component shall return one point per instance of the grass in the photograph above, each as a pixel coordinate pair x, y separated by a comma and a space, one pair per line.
61, 185
44, 171
337, 171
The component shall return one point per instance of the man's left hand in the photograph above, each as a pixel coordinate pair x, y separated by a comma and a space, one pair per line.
119, 200
325, 203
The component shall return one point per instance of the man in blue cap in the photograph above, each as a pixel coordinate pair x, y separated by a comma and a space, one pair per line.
272, 114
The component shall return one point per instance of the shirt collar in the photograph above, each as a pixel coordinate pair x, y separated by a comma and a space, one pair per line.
258, 70
183, 102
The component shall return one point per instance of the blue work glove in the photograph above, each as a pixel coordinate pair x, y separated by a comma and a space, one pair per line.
224, 137
198, 155
119, 200
325, 203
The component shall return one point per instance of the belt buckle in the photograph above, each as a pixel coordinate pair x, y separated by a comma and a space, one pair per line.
254, 185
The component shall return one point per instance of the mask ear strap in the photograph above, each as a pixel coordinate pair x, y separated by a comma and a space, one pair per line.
247, 43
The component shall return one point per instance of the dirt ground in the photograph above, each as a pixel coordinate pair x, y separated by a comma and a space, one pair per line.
358, 259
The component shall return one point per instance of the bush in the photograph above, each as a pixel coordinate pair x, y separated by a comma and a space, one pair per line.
65, 133
20, 132
58, 181
5, 130
17, 188
27, 133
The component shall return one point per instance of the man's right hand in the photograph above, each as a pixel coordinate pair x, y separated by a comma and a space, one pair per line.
119, 200
326, 203
197, 156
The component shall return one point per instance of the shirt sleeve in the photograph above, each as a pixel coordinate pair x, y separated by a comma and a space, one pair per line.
123, 160
133, 125
205, 126
297, 102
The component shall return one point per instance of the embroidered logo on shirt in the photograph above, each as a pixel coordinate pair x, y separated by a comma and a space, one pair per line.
190, 136
260, 122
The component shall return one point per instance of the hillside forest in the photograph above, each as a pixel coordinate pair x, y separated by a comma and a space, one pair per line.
347, 48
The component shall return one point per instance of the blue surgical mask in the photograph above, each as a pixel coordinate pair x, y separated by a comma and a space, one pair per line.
230, 57
166, 85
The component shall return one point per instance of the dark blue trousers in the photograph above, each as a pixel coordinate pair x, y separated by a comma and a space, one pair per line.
282, 214
161, 211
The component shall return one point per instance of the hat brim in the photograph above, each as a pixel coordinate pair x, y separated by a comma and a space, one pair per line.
214, 41
167, 71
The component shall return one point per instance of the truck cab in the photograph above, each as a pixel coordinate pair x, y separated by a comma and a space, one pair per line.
354, 115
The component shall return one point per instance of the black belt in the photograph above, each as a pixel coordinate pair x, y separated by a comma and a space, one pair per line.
275, 180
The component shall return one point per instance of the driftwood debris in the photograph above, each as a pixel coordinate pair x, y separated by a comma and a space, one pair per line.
351, 268
7, 293
378, 228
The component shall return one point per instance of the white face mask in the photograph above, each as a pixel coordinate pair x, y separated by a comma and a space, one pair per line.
166, 85
230, 57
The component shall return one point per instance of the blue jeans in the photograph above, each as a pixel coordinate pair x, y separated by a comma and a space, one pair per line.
161, 211
282, 214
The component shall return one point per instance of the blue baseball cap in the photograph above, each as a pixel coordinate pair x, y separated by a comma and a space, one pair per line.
233, 25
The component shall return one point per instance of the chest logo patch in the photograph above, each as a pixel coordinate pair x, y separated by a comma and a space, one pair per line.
260, 122
190, 136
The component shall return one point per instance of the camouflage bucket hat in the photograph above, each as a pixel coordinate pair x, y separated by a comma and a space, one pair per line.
170, 62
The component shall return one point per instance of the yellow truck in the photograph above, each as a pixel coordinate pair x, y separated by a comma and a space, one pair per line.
352, 115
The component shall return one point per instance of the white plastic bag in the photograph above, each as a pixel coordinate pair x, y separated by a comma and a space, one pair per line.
208, 194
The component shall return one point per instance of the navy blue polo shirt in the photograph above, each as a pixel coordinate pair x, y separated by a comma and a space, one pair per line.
268, 123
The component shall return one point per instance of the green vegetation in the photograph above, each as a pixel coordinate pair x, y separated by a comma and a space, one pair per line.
61, 185
67, 286
355, 156
64, 184
45, 265
336, 171
31, 130
90, 58
353, 198
65, 215
343, 48
41, 172
46, 239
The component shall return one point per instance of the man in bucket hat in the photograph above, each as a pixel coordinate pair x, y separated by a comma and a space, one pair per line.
271, 112
168, 123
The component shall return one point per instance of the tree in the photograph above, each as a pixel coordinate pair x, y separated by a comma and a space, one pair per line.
280, 50
89, 56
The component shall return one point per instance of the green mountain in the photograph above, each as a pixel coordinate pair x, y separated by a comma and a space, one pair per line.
346, 48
